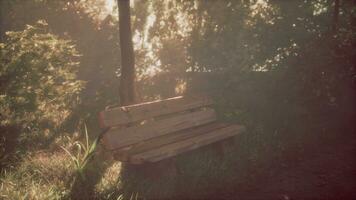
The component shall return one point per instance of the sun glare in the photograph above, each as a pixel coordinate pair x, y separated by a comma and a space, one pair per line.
109, 5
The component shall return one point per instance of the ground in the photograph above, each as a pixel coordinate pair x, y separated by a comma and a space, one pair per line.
308, 166
323, 171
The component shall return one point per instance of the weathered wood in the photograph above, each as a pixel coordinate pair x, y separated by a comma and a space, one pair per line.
123, 115
152, 131
123, 154
185, 145
120, 137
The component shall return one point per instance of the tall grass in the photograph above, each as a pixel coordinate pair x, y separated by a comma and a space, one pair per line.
39, 175
53, 173
83, 153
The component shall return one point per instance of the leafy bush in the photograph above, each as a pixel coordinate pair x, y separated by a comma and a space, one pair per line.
38, 85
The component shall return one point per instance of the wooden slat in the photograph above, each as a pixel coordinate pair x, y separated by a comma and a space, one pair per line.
185, 145
123, 154
123, 115
120, 137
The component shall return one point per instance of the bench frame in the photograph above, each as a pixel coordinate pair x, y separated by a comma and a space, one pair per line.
153, 131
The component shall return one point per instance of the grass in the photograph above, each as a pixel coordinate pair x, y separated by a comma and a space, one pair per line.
84, 153
38, 176
50, 175
53, 174
68, 169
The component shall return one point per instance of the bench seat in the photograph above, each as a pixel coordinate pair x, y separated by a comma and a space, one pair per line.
154, 131
159, 148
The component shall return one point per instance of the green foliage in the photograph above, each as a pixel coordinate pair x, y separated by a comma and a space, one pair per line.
275, 66
38, 83
84, 153
95, 36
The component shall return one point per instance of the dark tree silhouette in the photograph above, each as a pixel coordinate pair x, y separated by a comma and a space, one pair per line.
127, 81
336, 15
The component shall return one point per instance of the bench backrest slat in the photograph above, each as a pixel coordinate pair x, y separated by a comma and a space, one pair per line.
124, 136
137, 112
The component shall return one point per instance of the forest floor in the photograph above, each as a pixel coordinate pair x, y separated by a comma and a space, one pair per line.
324, 169
312, 166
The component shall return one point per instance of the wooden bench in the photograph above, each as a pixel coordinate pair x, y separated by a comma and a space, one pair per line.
153, 131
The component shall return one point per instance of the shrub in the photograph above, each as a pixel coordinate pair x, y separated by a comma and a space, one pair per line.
38, 85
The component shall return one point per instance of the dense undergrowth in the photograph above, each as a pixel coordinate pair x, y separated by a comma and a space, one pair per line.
285, 70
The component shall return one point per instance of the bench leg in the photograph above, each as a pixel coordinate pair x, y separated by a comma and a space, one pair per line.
161, 178
222, 146
153, 170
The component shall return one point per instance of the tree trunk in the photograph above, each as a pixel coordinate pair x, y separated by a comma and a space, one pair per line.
336, 16
127, 79
164, 170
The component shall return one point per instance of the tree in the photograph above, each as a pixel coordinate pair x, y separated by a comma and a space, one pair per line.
336, 15
127, 81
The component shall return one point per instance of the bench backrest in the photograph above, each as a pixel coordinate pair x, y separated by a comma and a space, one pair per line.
140, 122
